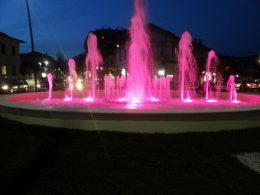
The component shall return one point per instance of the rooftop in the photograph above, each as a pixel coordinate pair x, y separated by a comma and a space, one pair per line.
7, 36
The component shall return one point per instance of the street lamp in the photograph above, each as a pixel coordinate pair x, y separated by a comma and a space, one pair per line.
46, 62
30, 25
32, 43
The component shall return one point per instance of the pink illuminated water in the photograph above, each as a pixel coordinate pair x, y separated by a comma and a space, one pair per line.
139, 57
187, 74
137, 86
115, 90
109, 88
232, 89
72, 79
50, 82
93, 60
247, 101
212, 78
161, 89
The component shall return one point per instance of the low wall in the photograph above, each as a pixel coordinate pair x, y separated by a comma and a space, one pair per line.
131, 121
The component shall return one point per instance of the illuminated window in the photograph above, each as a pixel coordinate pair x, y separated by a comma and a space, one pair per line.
3, 70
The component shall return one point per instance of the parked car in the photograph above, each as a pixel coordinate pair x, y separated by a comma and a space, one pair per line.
238, 84
250, 85
42, 85
11, 85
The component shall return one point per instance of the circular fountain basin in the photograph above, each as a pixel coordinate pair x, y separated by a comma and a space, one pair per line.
173, 116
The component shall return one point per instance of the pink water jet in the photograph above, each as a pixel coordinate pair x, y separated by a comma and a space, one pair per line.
50, 82
213, 78
232, 89
138, 86
71, 80
187, 73
109, 87
93, 61
139, 57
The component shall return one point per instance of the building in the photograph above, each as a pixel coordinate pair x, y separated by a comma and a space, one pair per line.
113, 45
36, 62
164, 44
9, 56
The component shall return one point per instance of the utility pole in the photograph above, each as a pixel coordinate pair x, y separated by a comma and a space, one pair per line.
32, 44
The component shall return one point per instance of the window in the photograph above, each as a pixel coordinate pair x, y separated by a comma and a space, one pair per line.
3, 49
4, 70
14, 70
13, 51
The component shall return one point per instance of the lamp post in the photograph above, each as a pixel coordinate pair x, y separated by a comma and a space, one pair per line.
32, 43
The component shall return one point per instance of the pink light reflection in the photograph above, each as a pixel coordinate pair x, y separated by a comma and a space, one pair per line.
153, 99
135, 100
187, 100
132, 106
89, 99
121, 100
134, 103
67, 99
212, 101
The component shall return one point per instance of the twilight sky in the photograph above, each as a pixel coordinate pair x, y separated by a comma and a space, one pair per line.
231, 27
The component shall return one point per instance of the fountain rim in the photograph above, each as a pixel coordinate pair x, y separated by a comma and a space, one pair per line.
4, 102
131, 121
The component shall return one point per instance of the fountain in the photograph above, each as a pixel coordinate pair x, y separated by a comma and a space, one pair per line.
213, 78
71, 80
138, 100
187, 68
139, 76
50, 82
93, 60
138, 86
232, 89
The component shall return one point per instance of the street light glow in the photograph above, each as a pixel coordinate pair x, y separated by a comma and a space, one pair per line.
161, 72
123, 72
